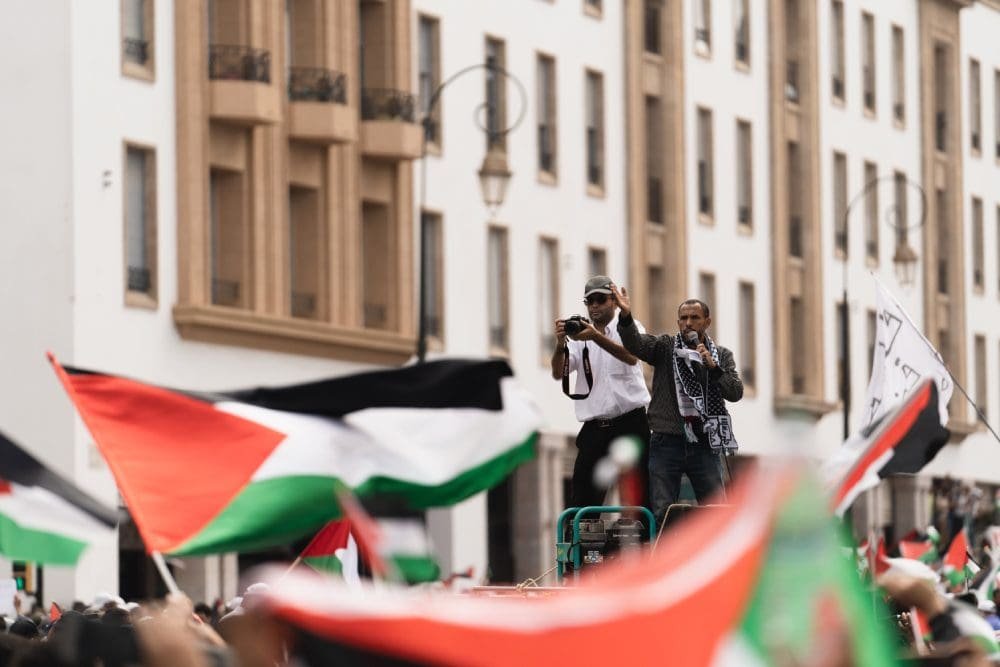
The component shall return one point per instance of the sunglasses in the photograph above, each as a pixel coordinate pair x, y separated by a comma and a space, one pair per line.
596, 299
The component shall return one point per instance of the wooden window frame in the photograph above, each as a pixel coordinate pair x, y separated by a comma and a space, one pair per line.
144, 71
742, 64
547, 61
705, 149
703, 43
149, 298
501, 118
708, 278
975, 108
977, 211
868, 52
591, 75
838, 59
593, 252
744, 175
982, 381
898, 76
841, 226
547, 338
436, 341
873, 247
504, 287
435, 146
748, 337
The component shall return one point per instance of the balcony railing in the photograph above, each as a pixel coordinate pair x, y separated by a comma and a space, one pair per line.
795, 236
225, 292
838, 86
315, 84
303, 304
387, 104
595, 172
139, 279
239, 63
654, 200
546, 156
940, 130
792, 81
135, 50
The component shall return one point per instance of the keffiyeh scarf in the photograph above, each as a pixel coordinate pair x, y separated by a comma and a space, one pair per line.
701, 403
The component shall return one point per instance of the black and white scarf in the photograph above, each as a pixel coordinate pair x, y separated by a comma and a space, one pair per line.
700, 403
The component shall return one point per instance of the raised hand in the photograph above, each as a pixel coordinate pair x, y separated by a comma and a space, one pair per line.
620, 295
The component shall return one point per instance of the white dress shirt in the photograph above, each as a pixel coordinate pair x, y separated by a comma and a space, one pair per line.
618, 387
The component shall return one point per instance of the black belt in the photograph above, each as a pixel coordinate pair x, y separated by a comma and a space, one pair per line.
611, 421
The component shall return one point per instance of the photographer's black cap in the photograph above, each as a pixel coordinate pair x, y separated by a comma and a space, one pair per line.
597, 285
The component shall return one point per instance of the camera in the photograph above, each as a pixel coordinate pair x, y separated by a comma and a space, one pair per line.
575, 324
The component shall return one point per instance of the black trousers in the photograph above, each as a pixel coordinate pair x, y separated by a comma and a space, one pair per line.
592, 444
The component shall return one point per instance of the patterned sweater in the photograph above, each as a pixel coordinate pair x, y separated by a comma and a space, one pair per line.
658, 352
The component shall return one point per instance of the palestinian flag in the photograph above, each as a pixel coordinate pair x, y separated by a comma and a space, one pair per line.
924, 551
244, 470
758, 582
956, 561
43, 517
334, 550
903, 441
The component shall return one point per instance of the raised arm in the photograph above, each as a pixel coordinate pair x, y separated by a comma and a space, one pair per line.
642, 345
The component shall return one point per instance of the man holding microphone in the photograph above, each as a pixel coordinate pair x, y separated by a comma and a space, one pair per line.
692, 379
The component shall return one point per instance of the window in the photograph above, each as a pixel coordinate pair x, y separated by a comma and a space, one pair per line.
744, 174
706, 292
137, 38
748, 336
496, 267
795, 246
898, 76
429, 74
996, 112
998, 247
140, 225
652, 25
793, 49
840, 203
654, 160
592, 7
702, 27
982, 398
230, 239
871, 211
871, 320
975, 109
978, 252
901, 219
496, 94
837, 50
797, 349
597, 262
305, 243
548, 294
868, 61
595, 129
943, 237
741, 29
376, 245
705, 166
433, 248
657, 306
547, 115
941, 94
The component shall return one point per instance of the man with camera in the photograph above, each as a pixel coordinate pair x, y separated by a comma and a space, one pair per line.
616, 398
692, 379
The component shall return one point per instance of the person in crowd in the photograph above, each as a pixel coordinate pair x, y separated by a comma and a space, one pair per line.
692, 379
611, 394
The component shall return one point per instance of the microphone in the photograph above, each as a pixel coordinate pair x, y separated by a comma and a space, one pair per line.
691, 339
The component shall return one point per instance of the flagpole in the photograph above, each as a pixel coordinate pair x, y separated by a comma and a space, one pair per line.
168, 578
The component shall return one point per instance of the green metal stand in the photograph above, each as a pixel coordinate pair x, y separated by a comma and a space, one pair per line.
570, 551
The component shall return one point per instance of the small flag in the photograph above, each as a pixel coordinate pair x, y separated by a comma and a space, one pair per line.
43, 517
250, 469
333, 550
903, 441
956, 559
923, 551
55, 613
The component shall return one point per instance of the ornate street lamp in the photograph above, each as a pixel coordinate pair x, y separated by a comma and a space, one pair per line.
494, 174
904, 261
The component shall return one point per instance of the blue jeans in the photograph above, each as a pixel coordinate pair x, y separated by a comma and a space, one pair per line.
672, 455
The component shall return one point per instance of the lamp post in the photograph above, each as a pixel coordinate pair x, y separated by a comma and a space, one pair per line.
494, 174
904, 261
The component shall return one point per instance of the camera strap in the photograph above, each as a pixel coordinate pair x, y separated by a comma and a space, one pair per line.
586, 373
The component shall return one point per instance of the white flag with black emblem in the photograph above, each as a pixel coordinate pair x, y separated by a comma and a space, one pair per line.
902, 357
